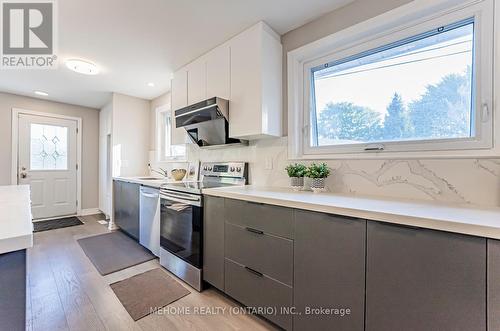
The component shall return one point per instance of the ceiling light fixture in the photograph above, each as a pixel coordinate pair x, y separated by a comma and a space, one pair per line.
151, 84
41, 93
82, 67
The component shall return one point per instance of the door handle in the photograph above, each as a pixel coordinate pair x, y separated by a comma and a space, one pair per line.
23, 175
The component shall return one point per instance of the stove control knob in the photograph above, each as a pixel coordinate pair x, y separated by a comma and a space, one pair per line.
205, 168
232, 169
210, 169
238, 169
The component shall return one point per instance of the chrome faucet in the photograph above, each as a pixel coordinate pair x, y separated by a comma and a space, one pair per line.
162, 172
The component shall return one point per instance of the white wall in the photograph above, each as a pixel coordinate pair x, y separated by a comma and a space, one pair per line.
90, 134
124, 139
105, 135
131, 135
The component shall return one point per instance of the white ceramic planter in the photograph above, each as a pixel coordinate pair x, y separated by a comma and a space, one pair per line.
318, 184
297, 183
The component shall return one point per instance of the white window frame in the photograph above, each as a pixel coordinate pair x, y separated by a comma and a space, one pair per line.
161, 143
407, 21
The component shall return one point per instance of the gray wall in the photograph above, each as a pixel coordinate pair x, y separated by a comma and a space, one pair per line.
90, 142
339, 19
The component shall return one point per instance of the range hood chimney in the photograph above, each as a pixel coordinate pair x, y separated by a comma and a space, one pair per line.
206, 122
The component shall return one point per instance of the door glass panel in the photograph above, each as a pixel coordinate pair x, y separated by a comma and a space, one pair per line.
49, 147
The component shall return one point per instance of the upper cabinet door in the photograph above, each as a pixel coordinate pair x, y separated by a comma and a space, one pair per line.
218, 72
179, 97
179, 89
255, 104
197, 81
245, 104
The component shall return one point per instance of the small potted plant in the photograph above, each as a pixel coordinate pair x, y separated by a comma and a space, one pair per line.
318, 173
296, 172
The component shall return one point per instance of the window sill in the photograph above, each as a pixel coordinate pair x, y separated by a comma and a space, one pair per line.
456, 154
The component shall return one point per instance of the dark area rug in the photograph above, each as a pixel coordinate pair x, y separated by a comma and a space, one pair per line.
56, 224
114, 251
145, 293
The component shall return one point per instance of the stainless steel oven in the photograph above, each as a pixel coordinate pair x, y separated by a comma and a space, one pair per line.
181, 219
181, 235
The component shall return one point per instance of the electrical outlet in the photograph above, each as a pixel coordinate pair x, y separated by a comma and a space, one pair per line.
268, 165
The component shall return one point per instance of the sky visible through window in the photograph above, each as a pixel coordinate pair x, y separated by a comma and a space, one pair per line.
418, 90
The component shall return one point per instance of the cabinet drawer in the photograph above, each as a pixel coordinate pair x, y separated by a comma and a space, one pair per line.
265, 253
270, 219
254, 290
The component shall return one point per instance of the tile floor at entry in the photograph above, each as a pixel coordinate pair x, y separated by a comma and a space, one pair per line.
65, 292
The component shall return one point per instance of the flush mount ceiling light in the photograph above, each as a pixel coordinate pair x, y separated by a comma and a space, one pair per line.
41, 93
151, 84
82, 67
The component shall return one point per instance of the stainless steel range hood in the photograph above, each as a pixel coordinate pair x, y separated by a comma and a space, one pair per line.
206, 122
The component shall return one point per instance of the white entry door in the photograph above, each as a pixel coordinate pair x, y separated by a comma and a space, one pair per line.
47, 149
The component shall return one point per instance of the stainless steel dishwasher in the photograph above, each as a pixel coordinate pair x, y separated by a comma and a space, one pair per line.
149, 220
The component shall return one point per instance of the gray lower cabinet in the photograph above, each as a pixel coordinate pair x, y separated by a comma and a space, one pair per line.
258, 253
126, 201
493, 285
262, 294
418, 279
213, 241
329, 271
350, 274
13, 291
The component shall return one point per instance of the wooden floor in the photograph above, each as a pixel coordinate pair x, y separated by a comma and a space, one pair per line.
65, 292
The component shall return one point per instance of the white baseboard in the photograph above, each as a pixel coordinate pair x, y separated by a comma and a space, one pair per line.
89, 211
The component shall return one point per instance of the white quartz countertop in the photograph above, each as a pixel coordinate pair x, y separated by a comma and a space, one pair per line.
465, 219
16, 226
156, 183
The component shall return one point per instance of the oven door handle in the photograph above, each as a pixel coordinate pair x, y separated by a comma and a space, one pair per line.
192, 202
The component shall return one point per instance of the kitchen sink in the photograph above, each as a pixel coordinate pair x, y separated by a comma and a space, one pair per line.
149, 178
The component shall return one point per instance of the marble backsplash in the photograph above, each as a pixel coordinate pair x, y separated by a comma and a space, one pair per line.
469, 181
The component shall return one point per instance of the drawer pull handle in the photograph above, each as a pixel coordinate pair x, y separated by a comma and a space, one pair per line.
254, 231
254, 272
255, 203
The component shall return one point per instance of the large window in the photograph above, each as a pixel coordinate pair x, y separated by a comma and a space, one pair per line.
421, 85
415, 89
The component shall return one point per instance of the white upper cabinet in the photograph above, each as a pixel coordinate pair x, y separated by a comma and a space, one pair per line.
197, 81
179, 97
179, 89
218, 72
255, 104
246, 70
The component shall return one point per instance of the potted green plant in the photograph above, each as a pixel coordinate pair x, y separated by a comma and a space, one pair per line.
318, 173
296, 172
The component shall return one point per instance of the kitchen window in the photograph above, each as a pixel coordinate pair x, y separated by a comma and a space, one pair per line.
423, 87
165, 150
